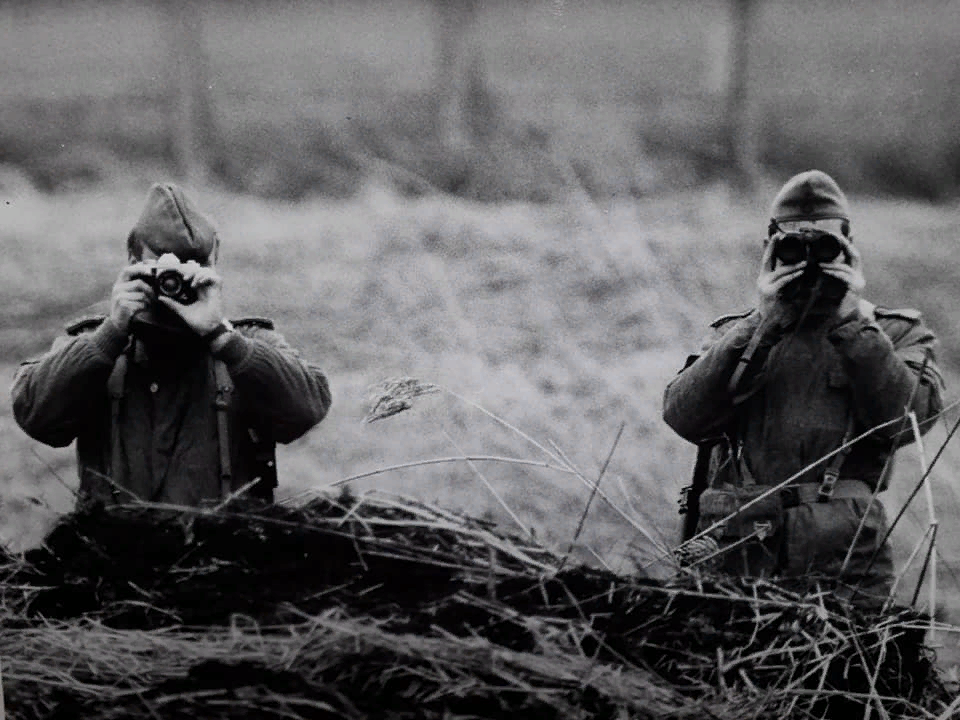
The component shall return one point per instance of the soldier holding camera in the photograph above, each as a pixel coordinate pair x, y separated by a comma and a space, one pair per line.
169, 401
779, 387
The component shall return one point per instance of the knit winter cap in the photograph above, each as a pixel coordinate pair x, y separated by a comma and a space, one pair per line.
171, 223
811, 195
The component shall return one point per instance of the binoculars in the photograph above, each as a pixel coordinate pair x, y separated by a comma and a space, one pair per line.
815, 246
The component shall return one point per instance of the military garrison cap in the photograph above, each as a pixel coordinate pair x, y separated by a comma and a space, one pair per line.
811, 195
171, 223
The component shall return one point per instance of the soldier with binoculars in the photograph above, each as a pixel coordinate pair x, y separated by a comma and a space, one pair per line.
778, 388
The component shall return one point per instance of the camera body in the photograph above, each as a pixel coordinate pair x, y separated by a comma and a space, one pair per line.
171, 283
816, 247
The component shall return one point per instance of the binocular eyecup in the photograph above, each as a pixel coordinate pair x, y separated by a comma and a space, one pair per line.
815, 246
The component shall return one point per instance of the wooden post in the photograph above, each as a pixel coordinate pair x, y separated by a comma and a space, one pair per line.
192, 127
453, 20
742, 138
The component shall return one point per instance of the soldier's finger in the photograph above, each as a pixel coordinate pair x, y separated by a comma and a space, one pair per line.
768, 261
205, 277
783, 280
132, 300
140, 285
138, 269
853, 254
190, 268
794, 269
172, 304
136, 289
843, 274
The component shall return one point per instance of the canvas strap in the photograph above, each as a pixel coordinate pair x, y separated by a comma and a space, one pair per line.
115, 388
744, 361
222, 402
828, 484
832, 472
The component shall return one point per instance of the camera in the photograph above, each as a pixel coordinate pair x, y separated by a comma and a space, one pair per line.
171, 283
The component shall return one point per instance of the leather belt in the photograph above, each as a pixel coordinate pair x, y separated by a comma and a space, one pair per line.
795, 495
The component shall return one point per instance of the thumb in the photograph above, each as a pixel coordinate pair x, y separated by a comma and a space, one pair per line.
171, 304
767, 261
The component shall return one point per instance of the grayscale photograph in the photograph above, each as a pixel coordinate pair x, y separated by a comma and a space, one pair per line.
480, 359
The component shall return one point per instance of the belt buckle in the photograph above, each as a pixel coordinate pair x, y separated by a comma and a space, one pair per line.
825, 493
762, 529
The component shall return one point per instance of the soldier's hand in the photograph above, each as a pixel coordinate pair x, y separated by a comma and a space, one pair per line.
206, 312
130, 294
849, 270
773, 278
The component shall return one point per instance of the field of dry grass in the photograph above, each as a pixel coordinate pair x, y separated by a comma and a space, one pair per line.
563, 321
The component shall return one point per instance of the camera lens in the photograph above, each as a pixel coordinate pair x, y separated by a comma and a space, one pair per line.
170, 283
791, 249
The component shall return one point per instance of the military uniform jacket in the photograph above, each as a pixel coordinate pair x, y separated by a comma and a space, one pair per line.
803, 386
167, 420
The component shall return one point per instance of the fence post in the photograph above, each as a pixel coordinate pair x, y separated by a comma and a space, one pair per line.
453, 20
192, 128
743, 146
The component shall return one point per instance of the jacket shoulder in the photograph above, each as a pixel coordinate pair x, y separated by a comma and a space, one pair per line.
729, 318
88, 323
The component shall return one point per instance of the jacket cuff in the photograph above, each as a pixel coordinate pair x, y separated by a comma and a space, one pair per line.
109, 339
235, 351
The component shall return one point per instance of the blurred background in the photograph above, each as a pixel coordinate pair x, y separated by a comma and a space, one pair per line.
538, 204
486, 99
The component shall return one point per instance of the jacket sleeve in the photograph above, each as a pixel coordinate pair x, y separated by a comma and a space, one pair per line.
884, 357
275, 385
55, 396
697, 402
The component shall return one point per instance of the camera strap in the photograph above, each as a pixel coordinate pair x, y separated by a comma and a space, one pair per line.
222, 403
744, 360
115, 388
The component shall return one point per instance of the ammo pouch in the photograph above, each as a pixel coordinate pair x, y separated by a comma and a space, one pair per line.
763, 518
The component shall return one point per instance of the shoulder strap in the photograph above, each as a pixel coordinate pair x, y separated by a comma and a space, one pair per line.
744, 360
691, 499
115, 388
222, 402
832, 473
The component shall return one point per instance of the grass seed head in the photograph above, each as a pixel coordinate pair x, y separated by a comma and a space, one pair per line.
395, 395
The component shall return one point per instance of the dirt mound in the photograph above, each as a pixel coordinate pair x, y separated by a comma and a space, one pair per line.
384, 607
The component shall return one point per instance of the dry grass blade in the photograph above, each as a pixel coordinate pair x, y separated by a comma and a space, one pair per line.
593, 493
913, 493
931, 558
490, 487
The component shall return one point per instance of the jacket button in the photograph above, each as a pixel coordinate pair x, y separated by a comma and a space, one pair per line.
154, 387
